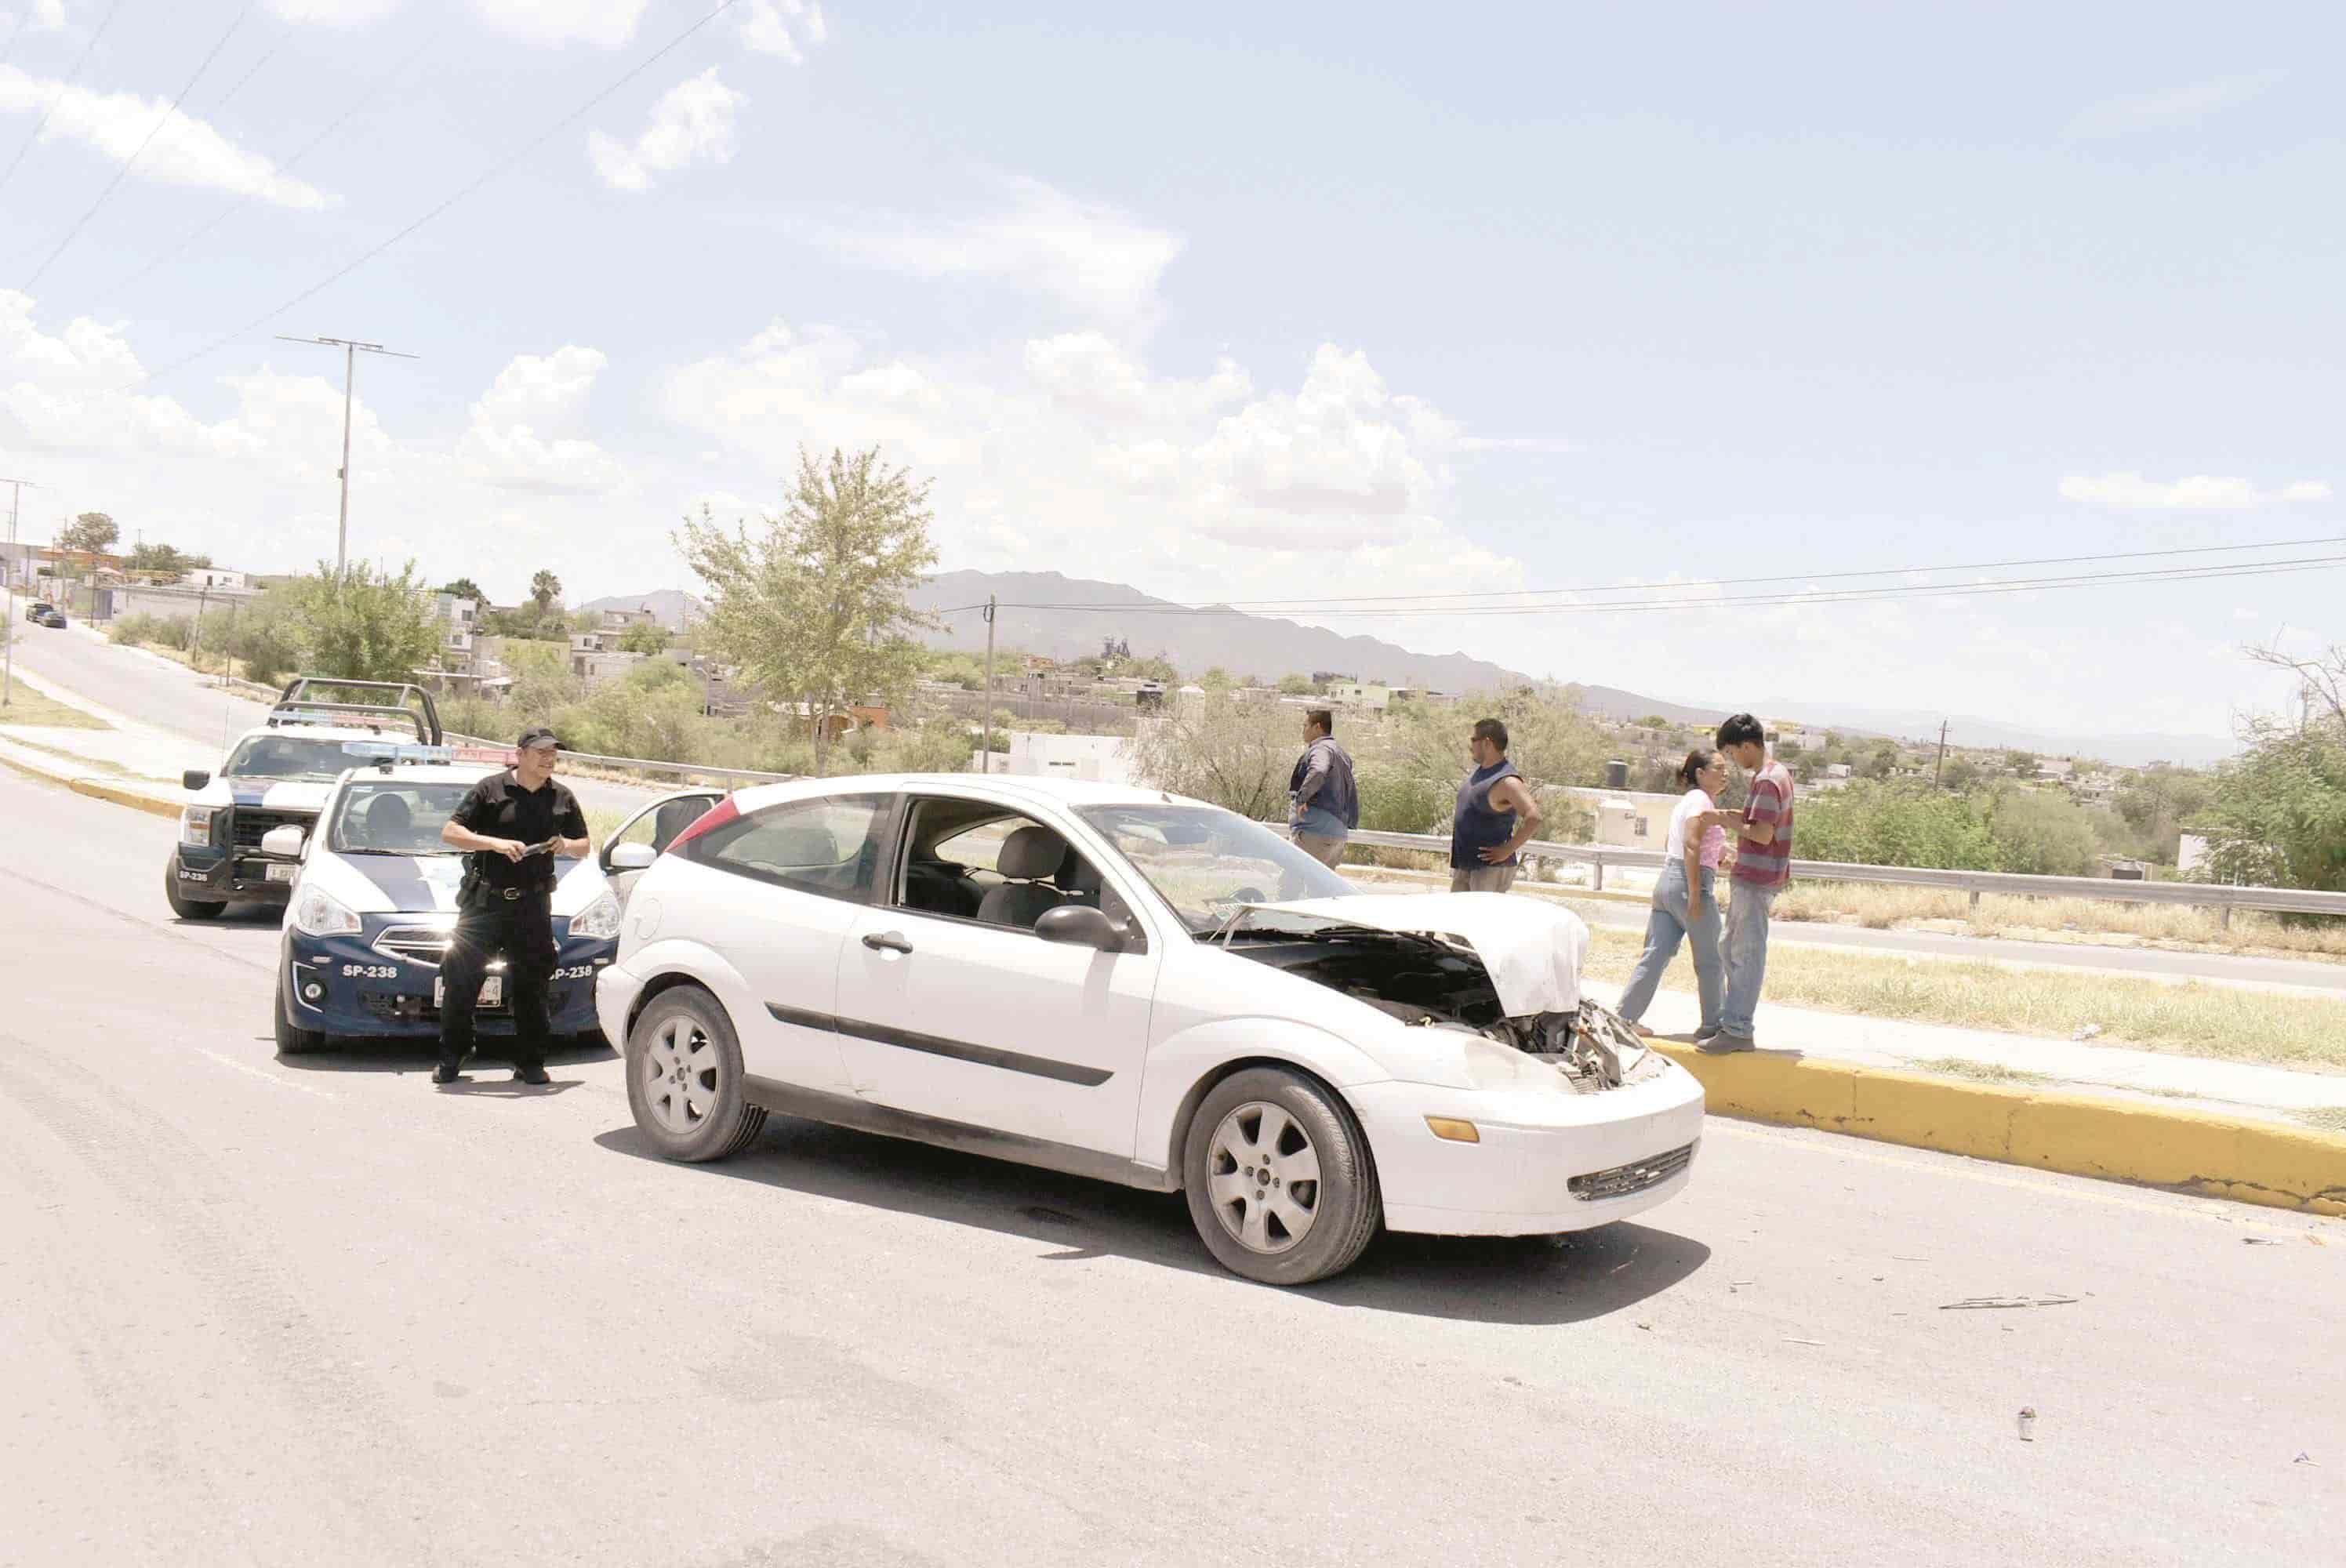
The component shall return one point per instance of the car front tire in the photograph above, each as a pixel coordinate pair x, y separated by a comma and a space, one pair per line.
684, 1079
185, 908
292, 1040
1279, 1178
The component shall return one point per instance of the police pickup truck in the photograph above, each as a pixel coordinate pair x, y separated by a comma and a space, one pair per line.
276, 775
374, 902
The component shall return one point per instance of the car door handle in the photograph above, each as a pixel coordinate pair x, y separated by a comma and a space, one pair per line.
887, 941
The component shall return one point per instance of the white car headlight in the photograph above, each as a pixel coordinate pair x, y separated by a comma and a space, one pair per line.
318, 912
195, 824
599, 920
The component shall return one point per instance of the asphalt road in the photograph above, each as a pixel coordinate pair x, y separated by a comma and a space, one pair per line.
154, 690
264, 1313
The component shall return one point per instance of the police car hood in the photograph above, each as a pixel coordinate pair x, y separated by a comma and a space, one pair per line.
426, 884
1531, 948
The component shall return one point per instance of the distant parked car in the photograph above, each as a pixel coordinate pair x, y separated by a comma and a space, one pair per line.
51, 618
38, 609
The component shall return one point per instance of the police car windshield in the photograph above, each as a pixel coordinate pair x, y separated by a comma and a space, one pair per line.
394, 816
287, 756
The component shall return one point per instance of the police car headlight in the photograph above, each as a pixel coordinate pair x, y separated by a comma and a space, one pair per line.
318, 912
599, 920
195, 824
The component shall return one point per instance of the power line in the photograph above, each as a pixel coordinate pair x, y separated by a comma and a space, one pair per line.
63, 89
1483, 600
481, 179
358, 106
1877, 595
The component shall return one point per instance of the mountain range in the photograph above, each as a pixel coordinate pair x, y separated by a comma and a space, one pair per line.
1037, 615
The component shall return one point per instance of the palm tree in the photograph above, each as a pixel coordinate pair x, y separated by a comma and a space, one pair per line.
545, 587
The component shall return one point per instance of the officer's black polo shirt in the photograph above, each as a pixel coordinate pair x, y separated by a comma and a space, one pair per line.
499, 808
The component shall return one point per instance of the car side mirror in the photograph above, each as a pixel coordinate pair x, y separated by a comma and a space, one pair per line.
282, 843
193, 780
1080, 925
630, 857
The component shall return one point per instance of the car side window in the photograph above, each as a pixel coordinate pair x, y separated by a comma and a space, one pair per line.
1002, 868
828, 847
658, 828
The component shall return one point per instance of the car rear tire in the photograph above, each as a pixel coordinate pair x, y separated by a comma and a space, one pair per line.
185, 908
684, 1079
1280, 1184
292, 1040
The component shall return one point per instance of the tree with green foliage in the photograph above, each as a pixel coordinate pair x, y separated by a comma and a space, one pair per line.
2277, 815
644, 637
92, 531
545, 588
1238, 755
1216, 680
465, 588
366, 625
163, 560
1549, 739
2157, 802
1294, 685
816, 610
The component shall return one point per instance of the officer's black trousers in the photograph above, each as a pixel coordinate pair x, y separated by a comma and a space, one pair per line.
522, 930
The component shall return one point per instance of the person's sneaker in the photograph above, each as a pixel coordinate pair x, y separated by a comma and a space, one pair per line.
446, 1073
531, 1075
1720, 1044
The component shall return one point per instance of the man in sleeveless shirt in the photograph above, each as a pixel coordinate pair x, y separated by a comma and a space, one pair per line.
1497, 816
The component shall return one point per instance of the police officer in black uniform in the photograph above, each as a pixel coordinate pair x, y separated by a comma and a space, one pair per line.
511, 824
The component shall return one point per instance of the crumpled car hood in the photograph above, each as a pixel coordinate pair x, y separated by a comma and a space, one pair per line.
1531, 948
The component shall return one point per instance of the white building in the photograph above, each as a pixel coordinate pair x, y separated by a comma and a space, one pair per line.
1099, 759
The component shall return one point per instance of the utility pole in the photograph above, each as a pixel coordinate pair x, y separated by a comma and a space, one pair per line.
8, 571
1938, 772
985, 747
351, 351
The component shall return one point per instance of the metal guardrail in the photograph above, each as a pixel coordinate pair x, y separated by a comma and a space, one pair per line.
641, 764
2196, 895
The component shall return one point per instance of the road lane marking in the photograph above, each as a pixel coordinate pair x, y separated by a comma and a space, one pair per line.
252, 1071
2180, 1203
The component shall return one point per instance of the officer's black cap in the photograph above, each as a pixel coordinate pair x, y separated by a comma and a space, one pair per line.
541, 735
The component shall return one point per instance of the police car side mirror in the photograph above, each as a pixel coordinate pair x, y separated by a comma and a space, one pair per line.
630, 857
282, 843
193, 780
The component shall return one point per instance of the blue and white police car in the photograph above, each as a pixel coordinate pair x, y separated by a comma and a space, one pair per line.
374, 902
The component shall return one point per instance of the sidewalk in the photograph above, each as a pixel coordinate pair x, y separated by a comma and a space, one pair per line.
128, 751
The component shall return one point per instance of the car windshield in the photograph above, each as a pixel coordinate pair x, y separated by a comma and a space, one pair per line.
288, 756
1209, 863
394, 816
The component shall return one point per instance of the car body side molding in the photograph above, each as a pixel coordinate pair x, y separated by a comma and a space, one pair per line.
937, 1046
862, 1115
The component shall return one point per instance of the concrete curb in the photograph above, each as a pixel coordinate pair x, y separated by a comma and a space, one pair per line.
2222, 1156
96, 789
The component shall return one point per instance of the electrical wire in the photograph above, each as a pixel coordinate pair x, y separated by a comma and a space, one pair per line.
140, 151
63, 89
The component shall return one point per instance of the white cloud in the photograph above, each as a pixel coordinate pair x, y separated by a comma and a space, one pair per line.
519, 437
2175, 106
334, 13
1091, 257
767, 26
1549, 445
2199, 493
48, 16
185, 152
605, 23
692, 123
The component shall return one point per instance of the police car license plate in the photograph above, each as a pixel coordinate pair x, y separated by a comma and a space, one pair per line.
281, 873
493, 992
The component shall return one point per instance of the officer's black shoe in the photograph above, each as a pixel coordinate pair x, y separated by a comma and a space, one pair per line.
447, 1073
531, 1073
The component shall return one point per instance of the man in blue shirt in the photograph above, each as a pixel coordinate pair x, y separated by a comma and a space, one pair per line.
1327, 804
1497, 816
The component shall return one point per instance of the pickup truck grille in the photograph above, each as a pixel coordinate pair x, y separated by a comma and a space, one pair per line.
1623, 1180
249, 822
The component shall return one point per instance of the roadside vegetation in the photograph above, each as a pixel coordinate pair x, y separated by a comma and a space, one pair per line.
29, 709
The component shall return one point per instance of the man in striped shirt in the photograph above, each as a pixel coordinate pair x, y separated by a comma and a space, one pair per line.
1763, 864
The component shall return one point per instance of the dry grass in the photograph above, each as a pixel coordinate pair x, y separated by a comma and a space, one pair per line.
202, 663
1978, 1071
29, 708
2329, 1119
2230, 1023
1885, 908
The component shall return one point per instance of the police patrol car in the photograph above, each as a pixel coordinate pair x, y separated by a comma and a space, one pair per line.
275, 776
374, 902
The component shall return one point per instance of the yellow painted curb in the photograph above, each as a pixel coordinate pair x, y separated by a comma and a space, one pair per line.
98, 790
2224, 1156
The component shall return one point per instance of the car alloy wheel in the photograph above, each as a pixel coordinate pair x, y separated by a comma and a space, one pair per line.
1263, 1177
681, 1070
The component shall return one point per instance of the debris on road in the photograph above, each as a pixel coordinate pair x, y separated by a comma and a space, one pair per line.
1789, 1340
2029, 1423
1986, 1303
2305, 1459
2259, 1241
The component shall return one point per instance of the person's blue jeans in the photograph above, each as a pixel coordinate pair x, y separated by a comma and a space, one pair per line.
1746, 956
1664, 928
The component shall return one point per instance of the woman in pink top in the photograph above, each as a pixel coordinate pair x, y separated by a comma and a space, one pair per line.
1684, 903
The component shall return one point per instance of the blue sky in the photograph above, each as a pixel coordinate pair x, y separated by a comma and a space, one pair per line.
1238, 302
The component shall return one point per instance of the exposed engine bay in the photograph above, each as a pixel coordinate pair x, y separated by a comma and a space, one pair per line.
1431, 985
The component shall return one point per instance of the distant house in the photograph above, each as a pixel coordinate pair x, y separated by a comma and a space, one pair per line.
1101, 758
1360, 693
2057, 767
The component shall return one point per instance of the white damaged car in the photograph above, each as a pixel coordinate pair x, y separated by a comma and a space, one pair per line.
1143, 988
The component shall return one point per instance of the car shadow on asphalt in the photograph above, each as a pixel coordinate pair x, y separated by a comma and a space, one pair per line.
421, 1056
1543, 1280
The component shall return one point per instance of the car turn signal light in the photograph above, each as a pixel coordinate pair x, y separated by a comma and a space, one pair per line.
1454, 1130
